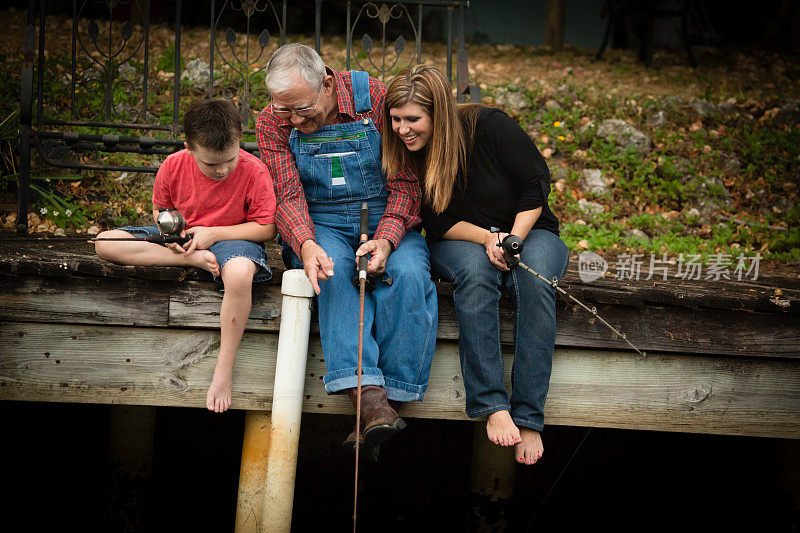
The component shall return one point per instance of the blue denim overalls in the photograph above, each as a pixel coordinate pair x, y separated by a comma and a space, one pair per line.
340, 167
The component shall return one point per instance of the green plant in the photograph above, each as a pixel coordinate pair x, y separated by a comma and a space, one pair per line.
61, 210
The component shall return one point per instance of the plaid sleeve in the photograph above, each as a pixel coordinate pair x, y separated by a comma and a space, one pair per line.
405, 196
291, 215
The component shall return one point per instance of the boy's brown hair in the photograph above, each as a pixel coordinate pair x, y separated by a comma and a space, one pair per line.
212, 124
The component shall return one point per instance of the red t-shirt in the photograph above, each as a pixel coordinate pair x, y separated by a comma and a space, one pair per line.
245, 195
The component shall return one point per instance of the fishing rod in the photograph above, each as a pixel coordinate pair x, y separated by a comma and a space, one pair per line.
362, 287
170, 223
513, 245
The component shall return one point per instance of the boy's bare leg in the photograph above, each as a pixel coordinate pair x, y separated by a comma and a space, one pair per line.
531, 448
237, 275
145, 253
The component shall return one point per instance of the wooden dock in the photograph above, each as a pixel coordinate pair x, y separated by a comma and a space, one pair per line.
723, 357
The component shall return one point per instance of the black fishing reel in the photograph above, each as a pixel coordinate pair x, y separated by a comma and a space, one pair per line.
511, 245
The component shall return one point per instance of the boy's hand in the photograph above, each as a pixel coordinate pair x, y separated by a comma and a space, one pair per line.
202, 238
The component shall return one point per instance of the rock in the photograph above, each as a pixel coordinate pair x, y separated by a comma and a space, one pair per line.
127, 72
638, 234
710, 197
552, 104
624, 135
788, 114
592, 181
512, 98
657, 120
731, 164
590, 209
197, 73
674, 100
702, 107
93, 230
59, 232
558, 173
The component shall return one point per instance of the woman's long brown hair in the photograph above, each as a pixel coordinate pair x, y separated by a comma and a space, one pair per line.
442, 163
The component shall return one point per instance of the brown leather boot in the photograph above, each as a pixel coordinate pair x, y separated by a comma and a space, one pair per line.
379, 420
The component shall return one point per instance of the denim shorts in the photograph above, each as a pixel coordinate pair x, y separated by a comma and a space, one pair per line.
224, 251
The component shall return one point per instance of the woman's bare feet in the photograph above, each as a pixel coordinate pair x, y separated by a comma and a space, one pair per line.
501, 429
204, 259
531, 448
218, 397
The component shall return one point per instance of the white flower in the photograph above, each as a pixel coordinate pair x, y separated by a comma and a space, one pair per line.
43, 210
55, 213
68, 212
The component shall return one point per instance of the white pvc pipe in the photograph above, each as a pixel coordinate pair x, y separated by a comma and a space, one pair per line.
287, 401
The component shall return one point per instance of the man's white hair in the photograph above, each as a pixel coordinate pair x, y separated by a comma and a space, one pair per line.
291, 58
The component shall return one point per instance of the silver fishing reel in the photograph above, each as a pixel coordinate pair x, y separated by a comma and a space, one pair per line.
170, 222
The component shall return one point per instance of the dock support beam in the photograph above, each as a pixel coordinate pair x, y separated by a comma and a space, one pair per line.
287, 401
253, 472
492, 481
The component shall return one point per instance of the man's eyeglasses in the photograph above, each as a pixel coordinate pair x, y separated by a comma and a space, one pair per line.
286, 112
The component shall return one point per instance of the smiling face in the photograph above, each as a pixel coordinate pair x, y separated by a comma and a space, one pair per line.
413, 124
317, 105
215, 164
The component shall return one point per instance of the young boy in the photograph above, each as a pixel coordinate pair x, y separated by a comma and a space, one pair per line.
226, 196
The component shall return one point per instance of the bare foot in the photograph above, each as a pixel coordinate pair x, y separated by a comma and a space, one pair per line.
204, 259
531, 448
218, 397
501, 429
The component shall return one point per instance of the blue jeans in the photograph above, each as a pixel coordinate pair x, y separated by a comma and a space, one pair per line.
399, 319
477, 298
224, 251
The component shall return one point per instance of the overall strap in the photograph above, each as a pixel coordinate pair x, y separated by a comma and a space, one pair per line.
361, 97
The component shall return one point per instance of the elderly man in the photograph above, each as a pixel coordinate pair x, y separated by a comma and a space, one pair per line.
321, 140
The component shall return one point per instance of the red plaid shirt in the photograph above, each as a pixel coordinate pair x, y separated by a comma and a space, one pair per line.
293, 220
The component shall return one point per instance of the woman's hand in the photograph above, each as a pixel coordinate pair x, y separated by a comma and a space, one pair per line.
494, 251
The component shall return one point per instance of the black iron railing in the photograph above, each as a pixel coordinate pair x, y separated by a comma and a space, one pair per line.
111, 87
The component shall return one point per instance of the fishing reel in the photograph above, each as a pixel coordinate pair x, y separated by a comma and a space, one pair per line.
511, 245
171, 224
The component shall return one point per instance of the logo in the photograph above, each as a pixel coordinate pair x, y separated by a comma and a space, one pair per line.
591, 267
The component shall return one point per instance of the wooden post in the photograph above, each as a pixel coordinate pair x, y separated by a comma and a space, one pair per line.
287, 401
491, 479
253, 472
554, 24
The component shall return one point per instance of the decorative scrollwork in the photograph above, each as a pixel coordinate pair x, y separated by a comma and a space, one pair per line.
97, 64
242, 60
384, 14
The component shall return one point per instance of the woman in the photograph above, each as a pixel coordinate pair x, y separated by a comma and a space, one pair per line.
480, 170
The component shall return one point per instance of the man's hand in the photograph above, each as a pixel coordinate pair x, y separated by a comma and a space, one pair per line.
379, 250
316, 263
202, 238
495, 251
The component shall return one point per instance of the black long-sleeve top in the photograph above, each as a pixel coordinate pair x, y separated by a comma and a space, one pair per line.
505, 175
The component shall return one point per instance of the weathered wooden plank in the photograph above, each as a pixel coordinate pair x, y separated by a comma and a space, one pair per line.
84, 300
195, 304
150, 366
109, 301
769, 293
